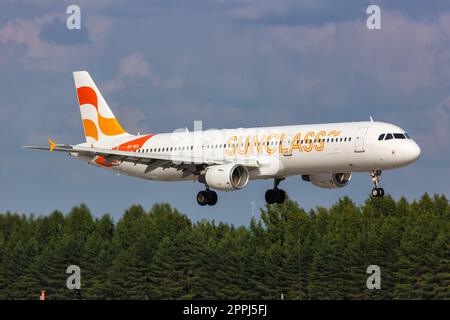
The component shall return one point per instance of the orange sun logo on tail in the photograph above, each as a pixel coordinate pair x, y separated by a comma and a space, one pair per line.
99, 122
107, 126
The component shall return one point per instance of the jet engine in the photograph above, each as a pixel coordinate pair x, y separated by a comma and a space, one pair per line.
328, 180
226, 177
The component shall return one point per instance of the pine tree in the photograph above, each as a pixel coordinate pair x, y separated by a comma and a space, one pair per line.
160, 254
174, 268
95, 262
415, 268
127, 275
24, 254
254, 259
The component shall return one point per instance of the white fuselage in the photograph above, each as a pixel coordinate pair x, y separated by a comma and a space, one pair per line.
280, 151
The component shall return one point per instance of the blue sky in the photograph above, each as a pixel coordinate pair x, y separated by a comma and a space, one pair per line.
161, 65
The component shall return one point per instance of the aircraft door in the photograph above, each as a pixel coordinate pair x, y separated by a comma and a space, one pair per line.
359, 139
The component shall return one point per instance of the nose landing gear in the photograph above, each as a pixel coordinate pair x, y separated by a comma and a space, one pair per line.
275, 195
377, 191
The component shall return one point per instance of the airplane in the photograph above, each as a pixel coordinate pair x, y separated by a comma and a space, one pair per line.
325, 155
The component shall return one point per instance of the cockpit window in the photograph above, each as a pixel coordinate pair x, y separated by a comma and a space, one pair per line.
389, 136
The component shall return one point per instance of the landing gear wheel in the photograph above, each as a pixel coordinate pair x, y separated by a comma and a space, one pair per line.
275, 196
202, 198
271, 196
211, 197
377, 192
207, 197
281, 196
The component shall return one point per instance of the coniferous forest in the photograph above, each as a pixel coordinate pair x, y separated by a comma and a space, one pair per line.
160, 254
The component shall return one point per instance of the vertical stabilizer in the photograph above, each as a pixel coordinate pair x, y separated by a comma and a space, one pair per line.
99, 122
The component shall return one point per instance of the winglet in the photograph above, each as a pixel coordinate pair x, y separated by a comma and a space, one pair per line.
52, 144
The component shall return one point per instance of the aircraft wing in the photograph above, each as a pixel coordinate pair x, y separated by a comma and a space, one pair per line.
153, 159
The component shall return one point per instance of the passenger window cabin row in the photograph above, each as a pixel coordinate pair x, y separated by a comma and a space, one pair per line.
390, 136
276, 143
166, 149
223, 146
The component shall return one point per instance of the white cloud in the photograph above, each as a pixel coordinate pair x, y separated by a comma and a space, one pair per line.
254, 10
131, 68
23, 37
134, 68
405, 56
131, 118
305, 39
436, 138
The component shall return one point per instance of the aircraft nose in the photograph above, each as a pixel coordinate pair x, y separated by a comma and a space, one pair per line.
413, 152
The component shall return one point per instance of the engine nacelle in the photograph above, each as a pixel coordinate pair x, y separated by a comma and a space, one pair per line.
328, 180
226, 177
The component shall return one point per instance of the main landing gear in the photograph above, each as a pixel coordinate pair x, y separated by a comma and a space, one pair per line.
275, 195
207, 197
377, 191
